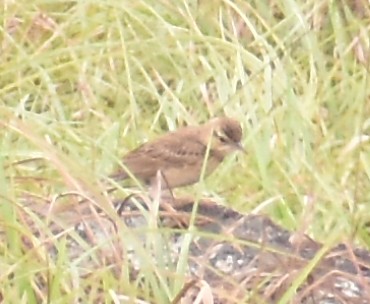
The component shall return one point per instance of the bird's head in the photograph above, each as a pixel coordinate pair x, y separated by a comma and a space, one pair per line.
226, 134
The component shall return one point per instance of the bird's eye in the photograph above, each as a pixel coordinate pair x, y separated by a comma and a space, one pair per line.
222, 138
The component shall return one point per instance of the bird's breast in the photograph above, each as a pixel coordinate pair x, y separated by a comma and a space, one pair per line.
189, 174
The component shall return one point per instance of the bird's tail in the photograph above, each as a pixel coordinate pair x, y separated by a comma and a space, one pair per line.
118, 176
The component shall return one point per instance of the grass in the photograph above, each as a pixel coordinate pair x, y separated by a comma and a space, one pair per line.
82, 83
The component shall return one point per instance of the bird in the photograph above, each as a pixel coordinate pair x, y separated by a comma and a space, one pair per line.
179, 155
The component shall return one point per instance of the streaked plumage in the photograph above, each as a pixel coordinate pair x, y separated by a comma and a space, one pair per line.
179, 155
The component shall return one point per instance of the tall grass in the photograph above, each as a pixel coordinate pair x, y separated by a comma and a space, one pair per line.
82, 83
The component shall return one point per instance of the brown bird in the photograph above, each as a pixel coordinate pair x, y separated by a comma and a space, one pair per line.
179, 155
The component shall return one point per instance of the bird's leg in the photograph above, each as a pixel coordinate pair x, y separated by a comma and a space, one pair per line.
159, 191
159, 187
167, 186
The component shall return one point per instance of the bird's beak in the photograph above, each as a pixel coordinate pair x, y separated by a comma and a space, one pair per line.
239, 147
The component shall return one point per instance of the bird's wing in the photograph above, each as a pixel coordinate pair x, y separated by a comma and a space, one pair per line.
172, 152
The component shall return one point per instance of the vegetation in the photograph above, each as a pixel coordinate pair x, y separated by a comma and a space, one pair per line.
83, 82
